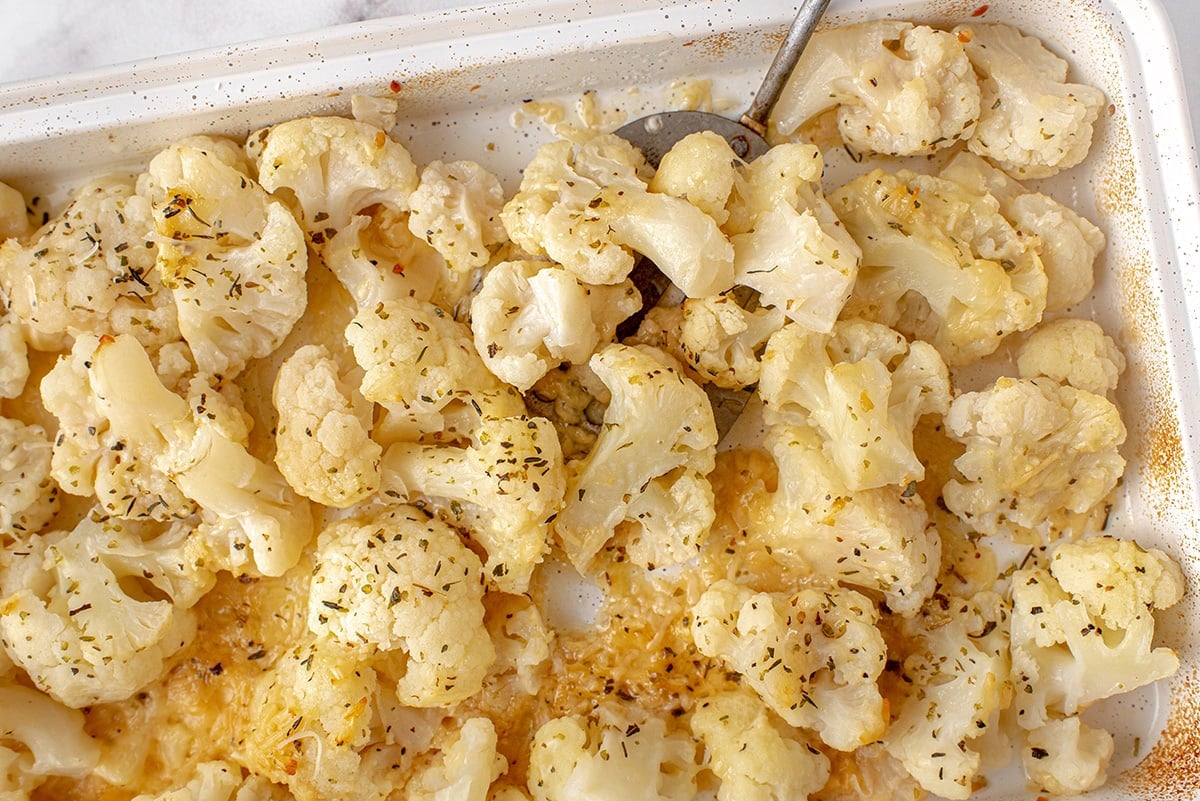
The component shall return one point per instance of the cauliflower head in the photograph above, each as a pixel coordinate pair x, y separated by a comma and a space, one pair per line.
864, 388
878, 539
233, 256
334, 168
940, 263
1090, 638
504, 488
28, 495
954, 684
1040, 458
572, 759
456, 210
397, 580
530, 316
92, 614
1074, 352
1068, 243
1033, 122
899, 89
755, 757
589, 209
323, 445
90, 270
787, 242
658, 420
813, 657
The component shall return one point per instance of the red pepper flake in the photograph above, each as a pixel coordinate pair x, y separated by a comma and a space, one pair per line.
964, 37
396, 86
1112, 109
979, 12
398, 269
476, 88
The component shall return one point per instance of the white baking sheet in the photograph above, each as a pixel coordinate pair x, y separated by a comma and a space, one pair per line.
461, 75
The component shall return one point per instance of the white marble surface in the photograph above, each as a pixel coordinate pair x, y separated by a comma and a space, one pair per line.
49, 37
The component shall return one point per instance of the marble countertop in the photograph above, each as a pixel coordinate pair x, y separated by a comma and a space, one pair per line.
57, 36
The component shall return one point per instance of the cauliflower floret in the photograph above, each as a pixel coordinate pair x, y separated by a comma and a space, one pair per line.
28, 496
878, 539
335, 168
813, 657
419, 359
575, 760
788, 244
93, 457
1073, 647
656, 422
940, 263
146, 454
312, 718
456, 210
465, 769
1069, 243
668, 522
1040, 458
92, 614
587, 208
233, 255
377, 259
504, 488
322, 444
221, 403
399, 581
555, 212
1033, 123
530, 316
864, 388
53, 734
90, 270
752, 755
14, 215
954, 684
1074, 352
1067, 757
720, 342
701, 168
1117, 581
352, 187
900, 89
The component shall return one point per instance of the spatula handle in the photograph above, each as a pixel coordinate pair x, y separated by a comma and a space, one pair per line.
785, 60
